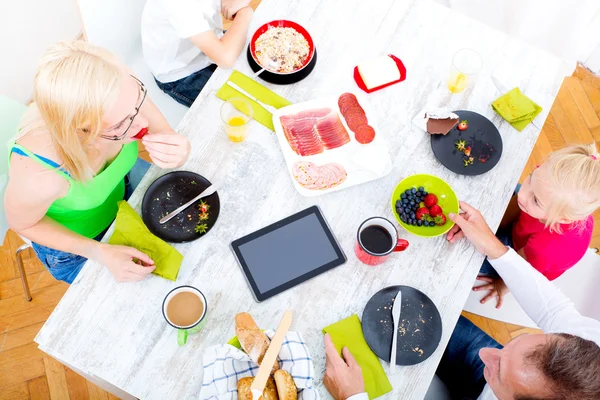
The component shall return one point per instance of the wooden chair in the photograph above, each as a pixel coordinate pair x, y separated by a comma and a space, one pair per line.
10, 114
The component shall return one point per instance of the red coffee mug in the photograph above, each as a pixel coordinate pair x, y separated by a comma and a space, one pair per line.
376, 239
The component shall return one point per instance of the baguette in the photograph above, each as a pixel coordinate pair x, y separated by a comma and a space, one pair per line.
244, 392
254, 342
286, 388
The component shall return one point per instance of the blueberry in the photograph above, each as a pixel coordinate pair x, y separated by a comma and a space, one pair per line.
431, 223
403, 196
412, 215
414, 222
400, 210
405, 216
425, 194
398, 203
419, 223
413, 190
405, 201
402, 218
421, 189
412, 203
407, 191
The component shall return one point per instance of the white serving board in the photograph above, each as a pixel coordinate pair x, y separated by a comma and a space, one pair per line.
363, 162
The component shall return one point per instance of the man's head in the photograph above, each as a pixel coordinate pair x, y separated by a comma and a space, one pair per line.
544, 367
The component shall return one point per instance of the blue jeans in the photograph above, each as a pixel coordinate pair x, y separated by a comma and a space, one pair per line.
65, 266
461, 368
185, 90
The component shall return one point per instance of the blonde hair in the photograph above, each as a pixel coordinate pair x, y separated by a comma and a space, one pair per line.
73, 85
574, 183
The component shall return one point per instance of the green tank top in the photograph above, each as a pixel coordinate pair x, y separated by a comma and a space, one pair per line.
88, 209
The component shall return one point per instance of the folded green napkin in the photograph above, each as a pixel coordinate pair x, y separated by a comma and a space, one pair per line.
516, 108
257, 90
348, 333
131, 231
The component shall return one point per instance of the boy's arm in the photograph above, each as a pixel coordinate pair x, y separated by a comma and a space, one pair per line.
225, 51
511, 214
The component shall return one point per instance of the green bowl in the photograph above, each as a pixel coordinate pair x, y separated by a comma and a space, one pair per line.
447, 199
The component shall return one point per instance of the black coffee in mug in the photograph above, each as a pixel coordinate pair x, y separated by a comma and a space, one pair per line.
376, 239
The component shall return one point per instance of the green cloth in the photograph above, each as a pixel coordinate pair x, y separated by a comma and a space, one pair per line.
348, 333
516, 108
131, 231
90, 207
257, 90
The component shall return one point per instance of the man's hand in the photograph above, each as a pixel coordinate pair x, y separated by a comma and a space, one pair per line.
230, 7
470, 224
496, 287
343, 379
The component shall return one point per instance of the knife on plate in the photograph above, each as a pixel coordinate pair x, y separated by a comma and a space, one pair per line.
396, 317
260, 380
267, 107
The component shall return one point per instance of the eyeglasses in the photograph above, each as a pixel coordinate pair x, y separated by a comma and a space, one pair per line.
143, 92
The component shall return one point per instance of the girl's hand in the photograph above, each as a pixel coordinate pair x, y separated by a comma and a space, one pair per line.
167, 150
497, 288
126, 264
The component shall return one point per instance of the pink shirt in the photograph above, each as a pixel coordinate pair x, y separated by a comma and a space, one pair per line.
551, 253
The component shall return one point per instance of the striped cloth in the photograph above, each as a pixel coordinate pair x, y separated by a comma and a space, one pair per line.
224, 365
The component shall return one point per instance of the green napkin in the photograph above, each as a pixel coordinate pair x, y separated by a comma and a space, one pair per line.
348, 333
257, 90
131, 231
516, 108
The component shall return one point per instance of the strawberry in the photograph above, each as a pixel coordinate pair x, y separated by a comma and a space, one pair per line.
463, 125
467, 151
203, 207
435, 210
422, 214
440, 220
430, 200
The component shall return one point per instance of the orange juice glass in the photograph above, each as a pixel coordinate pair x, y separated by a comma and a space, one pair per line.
236, 113
466, 64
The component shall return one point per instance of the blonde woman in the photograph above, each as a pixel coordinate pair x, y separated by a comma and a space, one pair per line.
73, 154
549, 221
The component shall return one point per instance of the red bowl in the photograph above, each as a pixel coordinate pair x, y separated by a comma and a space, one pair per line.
282, 23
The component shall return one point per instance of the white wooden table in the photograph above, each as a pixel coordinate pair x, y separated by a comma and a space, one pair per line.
115, 335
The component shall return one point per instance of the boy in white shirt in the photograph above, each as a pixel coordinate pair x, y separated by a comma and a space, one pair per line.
184, 42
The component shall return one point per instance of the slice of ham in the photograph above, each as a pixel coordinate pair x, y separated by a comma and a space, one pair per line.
310, 132
313, 177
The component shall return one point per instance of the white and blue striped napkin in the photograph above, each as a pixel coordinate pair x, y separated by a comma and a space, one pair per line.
224, 365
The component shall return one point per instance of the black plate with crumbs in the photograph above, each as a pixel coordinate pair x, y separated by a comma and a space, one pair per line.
419, 329
168, 193
481, 135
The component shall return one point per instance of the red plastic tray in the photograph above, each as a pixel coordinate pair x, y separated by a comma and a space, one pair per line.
361, 83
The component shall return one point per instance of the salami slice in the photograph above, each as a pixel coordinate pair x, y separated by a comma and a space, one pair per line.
365, 134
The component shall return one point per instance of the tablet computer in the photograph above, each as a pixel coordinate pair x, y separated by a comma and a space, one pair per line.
287, 253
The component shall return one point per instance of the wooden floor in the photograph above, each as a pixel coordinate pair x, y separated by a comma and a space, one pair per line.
27, 373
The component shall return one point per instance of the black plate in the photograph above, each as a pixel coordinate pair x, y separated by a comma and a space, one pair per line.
481, 131
419, 330
171, 191
280, 79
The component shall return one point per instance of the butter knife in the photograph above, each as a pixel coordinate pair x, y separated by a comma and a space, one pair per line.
267, 107
260, 380
206, 192
396, 317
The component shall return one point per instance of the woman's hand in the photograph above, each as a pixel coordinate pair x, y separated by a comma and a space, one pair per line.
167, 150
497, 288
125, 263
470, 224
230, 7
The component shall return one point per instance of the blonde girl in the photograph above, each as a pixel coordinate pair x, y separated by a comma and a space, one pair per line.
549, 220
76, 147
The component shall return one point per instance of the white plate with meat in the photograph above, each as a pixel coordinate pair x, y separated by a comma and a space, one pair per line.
331, 143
